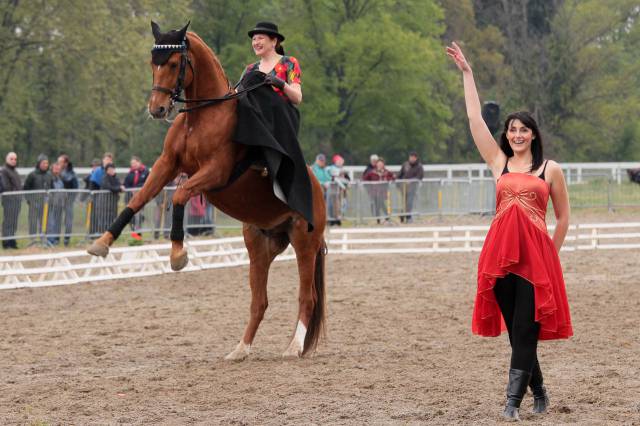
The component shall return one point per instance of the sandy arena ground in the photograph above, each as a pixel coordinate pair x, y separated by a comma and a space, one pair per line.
399, 349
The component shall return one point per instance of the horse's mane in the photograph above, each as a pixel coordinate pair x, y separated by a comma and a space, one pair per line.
209, 51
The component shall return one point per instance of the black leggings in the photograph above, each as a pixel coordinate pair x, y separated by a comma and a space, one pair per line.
516, 299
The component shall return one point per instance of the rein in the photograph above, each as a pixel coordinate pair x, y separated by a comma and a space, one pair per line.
213, 101
205, 102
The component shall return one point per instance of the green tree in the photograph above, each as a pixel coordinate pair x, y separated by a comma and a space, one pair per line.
373, 80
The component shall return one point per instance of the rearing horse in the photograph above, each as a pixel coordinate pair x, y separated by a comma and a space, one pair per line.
199, 143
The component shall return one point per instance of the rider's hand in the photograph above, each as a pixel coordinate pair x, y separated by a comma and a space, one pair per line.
455, 53
274, 81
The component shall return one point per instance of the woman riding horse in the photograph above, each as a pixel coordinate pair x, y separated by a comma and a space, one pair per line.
268, 120
203, 143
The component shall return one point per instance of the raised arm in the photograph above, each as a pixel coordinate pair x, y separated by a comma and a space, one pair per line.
488, 147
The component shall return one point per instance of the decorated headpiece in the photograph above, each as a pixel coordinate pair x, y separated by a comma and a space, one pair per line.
167, 43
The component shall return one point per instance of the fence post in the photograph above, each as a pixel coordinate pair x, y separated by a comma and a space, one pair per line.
358, 206
45, 219
609, 195
344, 242
440, 199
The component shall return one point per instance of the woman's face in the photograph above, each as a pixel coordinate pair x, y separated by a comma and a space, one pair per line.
519, 136
263, 44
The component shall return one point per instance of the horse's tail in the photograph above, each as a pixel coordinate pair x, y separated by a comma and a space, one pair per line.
316, 328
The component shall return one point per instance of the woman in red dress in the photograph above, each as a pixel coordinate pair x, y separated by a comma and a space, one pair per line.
520, 283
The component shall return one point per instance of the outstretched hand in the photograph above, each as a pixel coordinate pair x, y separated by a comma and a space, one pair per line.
455, 53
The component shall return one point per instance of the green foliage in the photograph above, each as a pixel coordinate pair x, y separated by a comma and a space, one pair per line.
375, 78
74, 75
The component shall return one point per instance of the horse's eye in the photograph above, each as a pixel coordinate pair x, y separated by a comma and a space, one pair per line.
174, 66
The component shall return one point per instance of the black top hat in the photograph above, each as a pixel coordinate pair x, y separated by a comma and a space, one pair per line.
266, 28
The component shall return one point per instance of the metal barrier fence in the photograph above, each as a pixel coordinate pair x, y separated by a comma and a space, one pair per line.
405, 199
56, 217
63, 216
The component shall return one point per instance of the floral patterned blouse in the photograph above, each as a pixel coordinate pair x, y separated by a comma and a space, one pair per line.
287, 69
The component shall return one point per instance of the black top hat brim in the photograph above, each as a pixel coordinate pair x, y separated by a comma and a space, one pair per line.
267, 31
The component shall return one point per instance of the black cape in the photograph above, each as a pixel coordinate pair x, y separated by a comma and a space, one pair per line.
270, 123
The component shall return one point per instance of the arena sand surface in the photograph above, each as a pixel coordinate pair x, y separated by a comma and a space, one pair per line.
399, 349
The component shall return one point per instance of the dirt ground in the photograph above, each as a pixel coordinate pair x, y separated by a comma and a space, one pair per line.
399, 349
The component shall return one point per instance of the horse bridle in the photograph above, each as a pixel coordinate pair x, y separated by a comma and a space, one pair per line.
175, 93
184, 60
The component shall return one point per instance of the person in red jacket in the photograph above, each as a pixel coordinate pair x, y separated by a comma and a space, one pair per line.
136, 178
379, 191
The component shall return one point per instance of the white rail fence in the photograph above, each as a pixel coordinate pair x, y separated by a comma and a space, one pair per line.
73, 267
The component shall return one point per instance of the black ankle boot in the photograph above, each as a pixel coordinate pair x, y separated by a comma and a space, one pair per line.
540, 398
518, 382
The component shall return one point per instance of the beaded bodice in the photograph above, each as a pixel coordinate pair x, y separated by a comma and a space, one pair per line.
526, 192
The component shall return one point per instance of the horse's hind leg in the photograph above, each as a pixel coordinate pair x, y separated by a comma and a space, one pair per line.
310, 251
262, 250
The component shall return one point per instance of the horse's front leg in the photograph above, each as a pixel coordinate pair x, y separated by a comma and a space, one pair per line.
208, 177
162, 172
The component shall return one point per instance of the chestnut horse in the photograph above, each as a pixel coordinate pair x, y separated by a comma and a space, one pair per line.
199, 143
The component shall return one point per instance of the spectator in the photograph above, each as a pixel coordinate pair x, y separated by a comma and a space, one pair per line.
319, 169
108, 208
10, 181
410, 170
136, 178
379, 190
98, 173
336, 194
70, 182
373, 159
199, 221
38, 180
89, 185
56, 200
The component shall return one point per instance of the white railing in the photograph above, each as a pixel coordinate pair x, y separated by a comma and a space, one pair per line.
451, 239
64, 268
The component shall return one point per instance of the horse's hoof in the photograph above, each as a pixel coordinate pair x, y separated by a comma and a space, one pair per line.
293, 351
240, 353
98, 248
179, 261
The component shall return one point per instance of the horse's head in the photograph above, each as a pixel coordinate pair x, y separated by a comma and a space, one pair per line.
170, 66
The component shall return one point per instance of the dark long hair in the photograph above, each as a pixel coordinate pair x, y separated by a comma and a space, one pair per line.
279, 48
536, 144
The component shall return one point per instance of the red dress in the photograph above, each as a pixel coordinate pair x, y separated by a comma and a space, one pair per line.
518, 243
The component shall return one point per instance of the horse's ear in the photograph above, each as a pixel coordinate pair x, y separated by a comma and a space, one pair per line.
155, 29
183, 30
